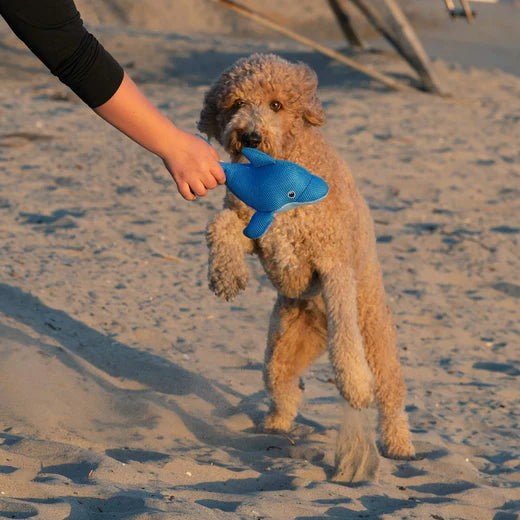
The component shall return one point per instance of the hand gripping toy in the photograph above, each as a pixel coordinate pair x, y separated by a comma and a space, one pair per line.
271, 186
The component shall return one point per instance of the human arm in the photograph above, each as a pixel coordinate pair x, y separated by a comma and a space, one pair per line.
54, 32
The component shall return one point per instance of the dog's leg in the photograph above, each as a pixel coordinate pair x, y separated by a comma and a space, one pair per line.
379, 337
353, 376
228, 273
297, 336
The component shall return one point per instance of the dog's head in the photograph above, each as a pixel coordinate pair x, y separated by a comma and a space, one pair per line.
261, 102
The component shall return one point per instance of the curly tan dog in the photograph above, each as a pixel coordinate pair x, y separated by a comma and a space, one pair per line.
321, 258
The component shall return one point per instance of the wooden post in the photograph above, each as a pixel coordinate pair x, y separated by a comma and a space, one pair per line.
344, 22
415, 53
373, 17
403, 38
365, 69
465, 11
468, 13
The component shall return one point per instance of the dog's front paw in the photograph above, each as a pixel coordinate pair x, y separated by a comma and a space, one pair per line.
356, 386
229, 282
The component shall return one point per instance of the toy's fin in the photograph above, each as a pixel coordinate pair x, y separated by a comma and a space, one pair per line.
258, 224
257, 158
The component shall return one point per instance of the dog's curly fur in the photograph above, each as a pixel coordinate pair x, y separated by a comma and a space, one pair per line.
321, 258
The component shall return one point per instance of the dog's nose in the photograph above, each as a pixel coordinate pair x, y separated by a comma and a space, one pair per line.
251, 140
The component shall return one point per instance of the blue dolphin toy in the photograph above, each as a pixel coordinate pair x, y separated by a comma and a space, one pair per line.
271, 186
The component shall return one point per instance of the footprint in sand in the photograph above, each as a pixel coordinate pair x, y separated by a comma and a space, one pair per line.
19, 139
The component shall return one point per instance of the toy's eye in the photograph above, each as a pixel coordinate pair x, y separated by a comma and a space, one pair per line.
239, 103
275, 106
291, 194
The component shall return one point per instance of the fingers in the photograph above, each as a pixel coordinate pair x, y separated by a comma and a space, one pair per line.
219, 175
211, 183
185, 190
201, 185
215, 170
198, 188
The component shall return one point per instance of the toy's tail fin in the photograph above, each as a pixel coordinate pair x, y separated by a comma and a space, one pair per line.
231, 170
258, 224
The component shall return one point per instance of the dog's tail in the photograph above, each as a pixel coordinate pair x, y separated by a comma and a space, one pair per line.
357, 457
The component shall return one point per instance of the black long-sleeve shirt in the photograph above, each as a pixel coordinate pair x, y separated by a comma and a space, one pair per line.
54, 32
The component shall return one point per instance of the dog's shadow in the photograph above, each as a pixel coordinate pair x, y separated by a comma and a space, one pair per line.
160, 376
103, 352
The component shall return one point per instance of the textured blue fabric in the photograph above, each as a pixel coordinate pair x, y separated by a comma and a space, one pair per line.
258, 224
270, 186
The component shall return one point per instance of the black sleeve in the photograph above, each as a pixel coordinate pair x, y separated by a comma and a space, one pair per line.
54, 32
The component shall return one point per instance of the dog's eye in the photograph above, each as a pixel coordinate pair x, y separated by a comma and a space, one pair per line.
239, 103
291, 194
275, 106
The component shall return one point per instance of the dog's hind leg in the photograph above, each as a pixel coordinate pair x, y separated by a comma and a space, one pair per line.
378, 331
297, 336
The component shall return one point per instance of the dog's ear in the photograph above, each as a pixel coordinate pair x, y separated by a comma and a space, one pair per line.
313, 112
208, 123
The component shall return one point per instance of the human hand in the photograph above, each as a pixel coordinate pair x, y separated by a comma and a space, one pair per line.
194, 165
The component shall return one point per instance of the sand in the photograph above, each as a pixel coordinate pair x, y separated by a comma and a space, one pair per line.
129, 391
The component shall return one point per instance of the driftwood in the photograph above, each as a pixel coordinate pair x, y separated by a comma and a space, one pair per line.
394, 27
400, 34
365, 69
416, 55
344, 22
465, 11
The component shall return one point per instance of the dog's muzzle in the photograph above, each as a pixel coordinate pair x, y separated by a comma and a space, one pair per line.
251, 139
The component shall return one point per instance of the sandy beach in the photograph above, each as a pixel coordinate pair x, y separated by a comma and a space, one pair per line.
129, 391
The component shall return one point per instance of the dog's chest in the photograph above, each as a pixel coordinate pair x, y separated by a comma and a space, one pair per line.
286, 259
284, 250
